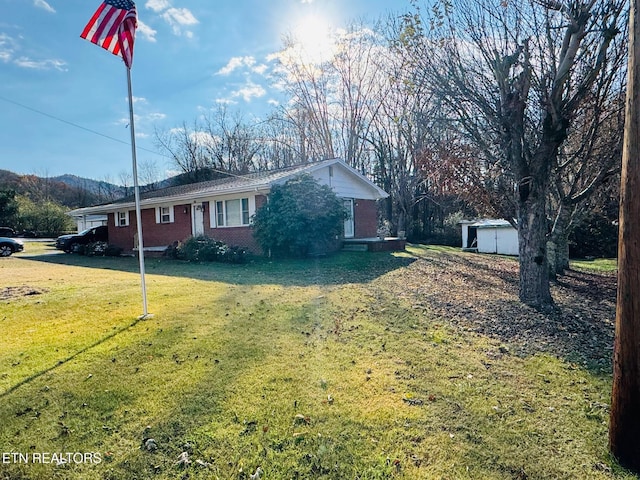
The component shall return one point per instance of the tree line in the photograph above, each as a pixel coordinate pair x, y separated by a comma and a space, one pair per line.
37, 205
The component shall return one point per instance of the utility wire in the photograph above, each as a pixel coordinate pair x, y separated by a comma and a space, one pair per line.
40, 112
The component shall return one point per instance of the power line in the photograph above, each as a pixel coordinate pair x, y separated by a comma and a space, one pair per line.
67, 122
62, 120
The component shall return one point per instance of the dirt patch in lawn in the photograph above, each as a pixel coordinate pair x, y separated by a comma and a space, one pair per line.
479, 293
11, 293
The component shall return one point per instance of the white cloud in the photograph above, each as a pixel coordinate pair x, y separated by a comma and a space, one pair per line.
260, 68
141, 120
157, 5
146, 31
26, 62
248, 62
144, 120
236, 62
156, 116
44, 5
7, 47
204, 139
225, 101
176, 130
251, 90
179, 18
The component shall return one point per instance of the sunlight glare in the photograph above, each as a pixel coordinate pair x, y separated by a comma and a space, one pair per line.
312, 35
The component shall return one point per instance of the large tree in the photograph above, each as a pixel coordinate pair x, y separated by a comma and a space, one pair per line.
334, 96
217, 142
512, 76
588, 164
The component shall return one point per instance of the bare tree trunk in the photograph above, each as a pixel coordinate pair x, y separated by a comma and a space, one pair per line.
532, 228
624, 425
559, 261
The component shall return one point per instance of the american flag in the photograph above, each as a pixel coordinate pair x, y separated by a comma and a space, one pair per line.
113, 27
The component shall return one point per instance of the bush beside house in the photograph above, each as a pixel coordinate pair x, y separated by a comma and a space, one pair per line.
301, 218
206, 249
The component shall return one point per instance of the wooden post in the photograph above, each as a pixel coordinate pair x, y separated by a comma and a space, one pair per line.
624, 426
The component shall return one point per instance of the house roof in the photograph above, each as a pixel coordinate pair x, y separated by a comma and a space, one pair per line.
251, 182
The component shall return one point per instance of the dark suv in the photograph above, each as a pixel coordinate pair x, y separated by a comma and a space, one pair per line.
7, 232
68, 243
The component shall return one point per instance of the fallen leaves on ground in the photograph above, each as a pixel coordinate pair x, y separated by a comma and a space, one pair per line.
479, 293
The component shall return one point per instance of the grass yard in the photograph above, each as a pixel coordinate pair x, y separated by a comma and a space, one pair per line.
596, 264
357, 366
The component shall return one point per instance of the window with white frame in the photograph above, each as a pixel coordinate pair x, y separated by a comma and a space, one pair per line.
164, 214
122, 218
232, 213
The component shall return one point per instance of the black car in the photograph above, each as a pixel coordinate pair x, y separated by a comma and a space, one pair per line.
68, 243
7, 232
9, 246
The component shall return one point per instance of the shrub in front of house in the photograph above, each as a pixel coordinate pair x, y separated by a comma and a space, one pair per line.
100, 249
205, 249
300, 218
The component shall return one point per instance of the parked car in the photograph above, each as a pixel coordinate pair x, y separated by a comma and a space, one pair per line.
7, 232
9, 246
69, 243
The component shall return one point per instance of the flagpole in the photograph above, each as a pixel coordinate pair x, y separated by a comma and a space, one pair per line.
136, 189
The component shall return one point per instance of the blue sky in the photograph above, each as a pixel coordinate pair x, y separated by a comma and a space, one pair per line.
189, 56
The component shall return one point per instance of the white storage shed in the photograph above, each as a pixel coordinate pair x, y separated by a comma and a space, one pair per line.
489, 236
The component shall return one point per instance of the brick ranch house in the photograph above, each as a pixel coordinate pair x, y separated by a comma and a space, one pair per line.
222, 208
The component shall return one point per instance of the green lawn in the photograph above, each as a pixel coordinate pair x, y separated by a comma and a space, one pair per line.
307, 369
604, 265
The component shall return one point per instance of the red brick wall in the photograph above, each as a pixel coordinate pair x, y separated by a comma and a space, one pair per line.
122, 236
365, 218
162, 234
236, 237
154, 234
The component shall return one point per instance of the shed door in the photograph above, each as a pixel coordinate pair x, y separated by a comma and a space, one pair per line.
472, 237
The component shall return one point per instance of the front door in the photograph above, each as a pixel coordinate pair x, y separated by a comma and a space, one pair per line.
197, 212
349, 230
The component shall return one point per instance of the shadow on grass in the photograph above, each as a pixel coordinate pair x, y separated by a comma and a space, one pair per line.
480, 292
338, 269
212, 393
177, 382
68, 359
474, 291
